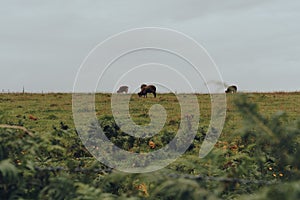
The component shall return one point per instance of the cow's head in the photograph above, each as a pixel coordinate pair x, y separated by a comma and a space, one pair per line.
142, 92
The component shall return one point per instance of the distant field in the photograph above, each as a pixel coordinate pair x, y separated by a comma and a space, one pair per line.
53, 108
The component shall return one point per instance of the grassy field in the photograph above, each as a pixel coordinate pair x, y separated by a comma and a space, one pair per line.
53, 108
232, 157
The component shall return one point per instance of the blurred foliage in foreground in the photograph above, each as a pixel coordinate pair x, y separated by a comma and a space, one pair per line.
258, 161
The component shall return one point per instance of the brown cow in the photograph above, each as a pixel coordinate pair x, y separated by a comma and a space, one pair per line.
231, 89
123, 89
147, 89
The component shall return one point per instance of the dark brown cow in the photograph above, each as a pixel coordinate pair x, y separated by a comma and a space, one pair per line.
231, 89
147, 89
123, 89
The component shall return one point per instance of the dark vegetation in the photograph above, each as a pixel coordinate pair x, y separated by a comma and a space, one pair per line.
257, 156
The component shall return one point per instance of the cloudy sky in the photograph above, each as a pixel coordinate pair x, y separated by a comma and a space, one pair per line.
255, 43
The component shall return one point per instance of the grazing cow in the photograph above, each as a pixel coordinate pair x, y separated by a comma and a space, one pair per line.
123, 89
231, 89
147, 89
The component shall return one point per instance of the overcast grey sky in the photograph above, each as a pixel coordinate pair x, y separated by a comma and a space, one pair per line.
255, 43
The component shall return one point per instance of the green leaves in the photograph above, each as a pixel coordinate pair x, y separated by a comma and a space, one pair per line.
59, 188
8, 172
180, 189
